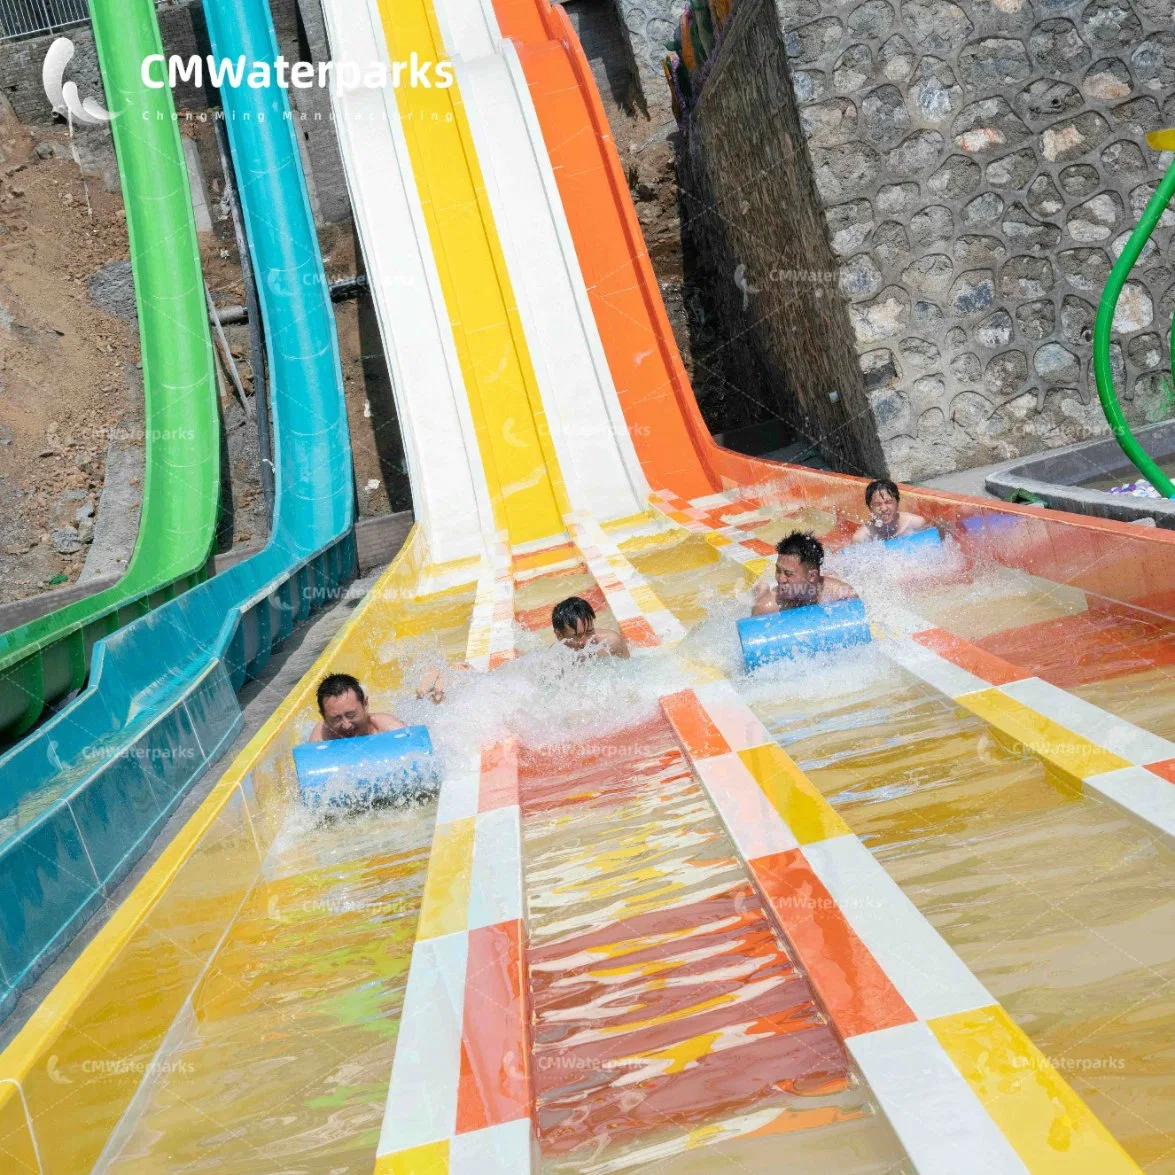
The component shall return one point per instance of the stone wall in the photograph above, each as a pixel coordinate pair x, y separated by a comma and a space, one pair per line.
977, 167
650, 25
753, 222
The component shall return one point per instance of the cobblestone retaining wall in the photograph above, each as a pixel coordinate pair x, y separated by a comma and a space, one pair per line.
976, 166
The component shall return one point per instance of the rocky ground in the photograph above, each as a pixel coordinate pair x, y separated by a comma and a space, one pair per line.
63, 385
70, 376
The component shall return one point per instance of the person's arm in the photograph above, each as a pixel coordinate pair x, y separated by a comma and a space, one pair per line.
912, 523
834, 589
765, 600
432, 685
616, 644
318, 734
861, 535
384, 722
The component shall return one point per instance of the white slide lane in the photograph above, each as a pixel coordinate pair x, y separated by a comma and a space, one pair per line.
449, 495
599, 463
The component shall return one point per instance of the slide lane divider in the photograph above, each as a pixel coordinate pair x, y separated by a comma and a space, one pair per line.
644, 621
1100, 754
964, 1088
1097, 752
461, 1097
491, 627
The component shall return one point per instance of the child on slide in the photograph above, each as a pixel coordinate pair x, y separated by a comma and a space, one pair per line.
888, 520
574, 623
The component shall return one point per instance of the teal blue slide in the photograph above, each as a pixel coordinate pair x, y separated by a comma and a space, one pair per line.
83, 794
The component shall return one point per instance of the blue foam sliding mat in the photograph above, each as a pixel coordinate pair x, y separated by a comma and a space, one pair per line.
345, 771
816, 628
920, 540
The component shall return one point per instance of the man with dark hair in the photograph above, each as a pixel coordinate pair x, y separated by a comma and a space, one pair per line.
574, 622
345, 714
798, 579
888, 520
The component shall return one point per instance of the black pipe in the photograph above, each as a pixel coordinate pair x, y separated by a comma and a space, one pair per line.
340, 291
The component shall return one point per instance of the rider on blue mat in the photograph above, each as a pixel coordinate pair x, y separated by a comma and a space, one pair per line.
888, 520
798, 579
345, 713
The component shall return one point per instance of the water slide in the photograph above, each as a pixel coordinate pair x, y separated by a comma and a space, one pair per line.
903, 908
84, 793
41, 662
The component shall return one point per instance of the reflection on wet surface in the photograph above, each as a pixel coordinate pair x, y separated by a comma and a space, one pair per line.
673, 1033
690, 576
1119, 658
1061, 905
670, 1025
280, 1061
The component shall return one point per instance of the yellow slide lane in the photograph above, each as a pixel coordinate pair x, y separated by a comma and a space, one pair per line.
296, 965
522, 471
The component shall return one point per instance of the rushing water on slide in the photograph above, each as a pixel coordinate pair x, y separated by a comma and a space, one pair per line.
281, 1059
672, 1030
1059, 903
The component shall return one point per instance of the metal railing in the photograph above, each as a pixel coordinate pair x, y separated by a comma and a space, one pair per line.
30, 18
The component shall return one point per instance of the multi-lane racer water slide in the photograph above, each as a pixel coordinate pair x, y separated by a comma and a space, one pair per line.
905, 908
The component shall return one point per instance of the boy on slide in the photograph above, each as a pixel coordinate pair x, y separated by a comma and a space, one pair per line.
574, 622
888, 521
345, 713
798, 579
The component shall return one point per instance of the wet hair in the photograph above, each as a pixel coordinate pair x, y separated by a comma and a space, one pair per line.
881, 483
805, 546
335, 686
567, 614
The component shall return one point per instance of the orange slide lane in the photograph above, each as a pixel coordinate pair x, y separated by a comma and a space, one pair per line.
670, 437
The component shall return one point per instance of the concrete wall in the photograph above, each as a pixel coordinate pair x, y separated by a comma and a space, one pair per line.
977, 167
754, 224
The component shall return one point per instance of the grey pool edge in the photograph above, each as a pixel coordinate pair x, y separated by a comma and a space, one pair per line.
1052, 476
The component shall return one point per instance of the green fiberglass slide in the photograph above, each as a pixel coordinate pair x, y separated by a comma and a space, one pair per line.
44, 660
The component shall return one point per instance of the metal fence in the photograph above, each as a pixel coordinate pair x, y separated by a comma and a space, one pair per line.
28, 18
